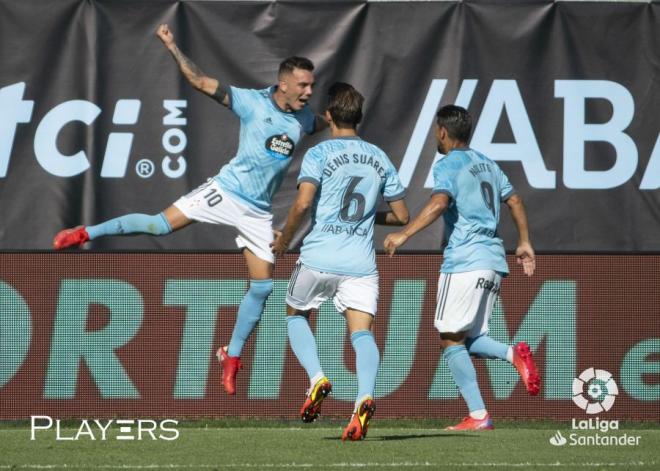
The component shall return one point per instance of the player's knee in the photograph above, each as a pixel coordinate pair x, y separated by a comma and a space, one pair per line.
261, 289
363, 336
294, 319
451, 339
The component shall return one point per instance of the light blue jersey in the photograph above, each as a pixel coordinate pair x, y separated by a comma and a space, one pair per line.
476, 186
268, 138
350, 175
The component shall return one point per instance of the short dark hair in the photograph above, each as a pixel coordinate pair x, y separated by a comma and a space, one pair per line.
295, 62
456, 120
345, 105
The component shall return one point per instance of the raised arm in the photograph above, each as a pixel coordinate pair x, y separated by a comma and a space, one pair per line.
194, 74
524, 252
433, 210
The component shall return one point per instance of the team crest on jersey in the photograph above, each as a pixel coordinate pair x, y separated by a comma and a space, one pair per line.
280, 146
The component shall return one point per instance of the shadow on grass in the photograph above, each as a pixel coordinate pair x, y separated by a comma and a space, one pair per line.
385, 438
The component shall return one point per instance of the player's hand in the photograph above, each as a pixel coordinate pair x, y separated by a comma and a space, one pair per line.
525, 257
165, 35
279, 245
394, 241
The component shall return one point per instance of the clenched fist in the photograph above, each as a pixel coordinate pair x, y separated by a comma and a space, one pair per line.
165, 35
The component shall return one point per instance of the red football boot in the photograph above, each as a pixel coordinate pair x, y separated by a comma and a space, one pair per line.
472, 425
311, 409
70, 237
524, 363
230, 366
359, 424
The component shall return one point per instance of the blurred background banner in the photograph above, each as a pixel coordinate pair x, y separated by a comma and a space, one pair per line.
108, 335
97, 121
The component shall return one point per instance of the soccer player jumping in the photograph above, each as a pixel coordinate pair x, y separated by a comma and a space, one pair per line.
341, 180
468, 189
272, 121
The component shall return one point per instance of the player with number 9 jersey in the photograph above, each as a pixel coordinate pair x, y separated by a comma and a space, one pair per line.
468, 191
476, 185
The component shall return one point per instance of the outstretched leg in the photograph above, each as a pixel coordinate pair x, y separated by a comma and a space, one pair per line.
162, 223
519, 355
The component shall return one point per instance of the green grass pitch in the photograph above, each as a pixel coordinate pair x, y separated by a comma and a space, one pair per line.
261, 444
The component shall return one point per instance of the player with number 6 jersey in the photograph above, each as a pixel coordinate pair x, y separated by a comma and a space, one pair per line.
341, 180
351, 174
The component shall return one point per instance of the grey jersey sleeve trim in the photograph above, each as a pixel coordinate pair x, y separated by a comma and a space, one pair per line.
221, 92
397, 197
446, 192
509, 195
311, 180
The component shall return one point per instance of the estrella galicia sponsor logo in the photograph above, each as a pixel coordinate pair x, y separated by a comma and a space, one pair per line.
280, 146
104, 430
594, 391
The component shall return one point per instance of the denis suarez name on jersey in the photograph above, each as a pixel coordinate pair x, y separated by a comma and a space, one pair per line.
365, 159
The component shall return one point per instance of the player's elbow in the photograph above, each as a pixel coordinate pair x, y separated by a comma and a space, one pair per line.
199, 83
514, 201
403, 218
398, 215
301, 206
438, 209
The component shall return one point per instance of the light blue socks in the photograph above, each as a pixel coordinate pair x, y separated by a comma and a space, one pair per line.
303, 345
367, 359
155, 224
465, 376
249, 313
485, 347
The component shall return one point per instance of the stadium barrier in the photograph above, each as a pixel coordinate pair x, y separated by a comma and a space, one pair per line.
86, 334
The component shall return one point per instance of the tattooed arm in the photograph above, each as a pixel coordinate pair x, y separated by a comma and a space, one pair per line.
194, 74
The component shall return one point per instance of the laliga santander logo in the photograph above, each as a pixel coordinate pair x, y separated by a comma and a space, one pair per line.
594, 391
